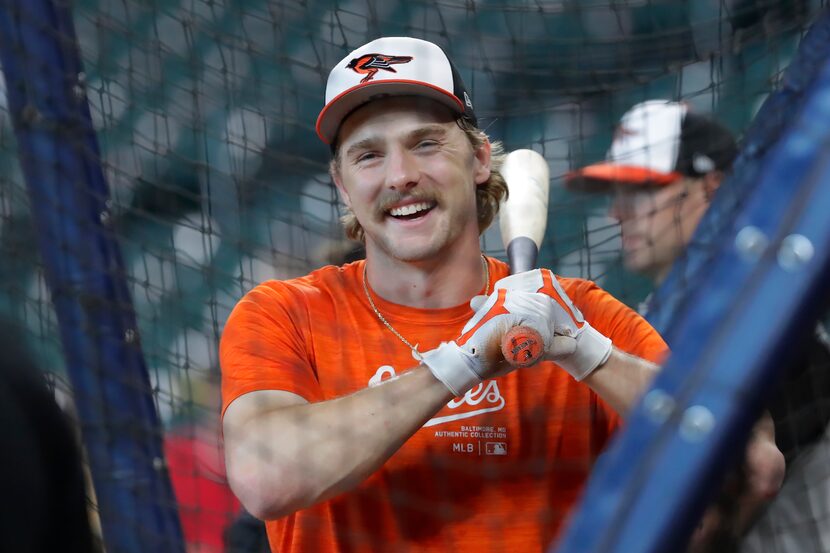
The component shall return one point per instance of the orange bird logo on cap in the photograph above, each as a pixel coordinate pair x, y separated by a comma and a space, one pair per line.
370, 64
621, 131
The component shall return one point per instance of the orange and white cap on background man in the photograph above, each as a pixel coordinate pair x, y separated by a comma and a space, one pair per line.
655, 143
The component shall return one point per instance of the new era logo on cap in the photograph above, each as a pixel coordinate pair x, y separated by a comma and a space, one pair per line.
657, 142
399, 66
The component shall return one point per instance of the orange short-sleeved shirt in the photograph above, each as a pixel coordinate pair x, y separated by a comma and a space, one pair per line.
495, 470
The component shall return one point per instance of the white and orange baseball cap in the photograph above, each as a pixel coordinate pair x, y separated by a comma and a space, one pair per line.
657, 142
391, 66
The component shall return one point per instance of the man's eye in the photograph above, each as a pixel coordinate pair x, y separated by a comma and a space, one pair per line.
427, 143
366, 156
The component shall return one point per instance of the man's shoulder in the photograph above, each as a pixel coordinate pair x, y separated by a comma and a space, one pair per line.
593, 299
576, 286
299, 300
325, 281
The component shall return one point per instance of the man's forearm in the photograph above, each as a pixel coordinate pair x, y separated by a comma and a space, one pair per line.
291, 457
621, 380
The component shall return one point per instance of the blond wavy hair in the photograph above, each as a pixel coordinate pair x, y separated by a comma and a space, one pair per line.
489, 195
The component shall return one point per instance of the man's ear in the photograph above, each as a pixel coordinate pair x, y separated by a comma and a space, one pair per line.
481, 163
334, 171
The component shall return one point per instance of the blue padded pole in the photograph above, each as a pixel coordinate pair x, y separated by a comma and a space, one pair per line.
752, 301
86, 277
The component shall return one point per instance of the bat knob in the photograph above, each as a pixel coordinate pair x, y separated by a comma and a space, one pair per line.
522, 346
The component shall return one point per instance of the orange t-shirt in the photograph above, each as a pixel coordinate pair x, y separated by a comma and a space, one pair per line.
495, 470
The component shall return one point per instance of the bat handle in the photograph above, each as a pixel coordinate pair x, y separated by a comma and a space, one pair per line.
522, 346
521, 254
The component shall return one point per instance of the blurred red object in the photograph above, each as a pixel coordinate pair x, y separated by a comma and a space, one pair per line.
197, 470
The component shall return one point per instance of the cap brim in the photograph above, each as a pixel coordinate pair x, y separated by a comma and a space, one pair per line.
602, 176
330, 118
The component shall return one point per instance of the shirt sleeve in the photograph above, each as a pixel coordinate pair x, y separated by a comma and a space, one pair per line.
264, 345
628, 331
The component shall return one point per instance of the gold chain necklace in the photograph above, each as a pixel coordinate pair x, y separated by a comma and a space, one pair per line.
386, 323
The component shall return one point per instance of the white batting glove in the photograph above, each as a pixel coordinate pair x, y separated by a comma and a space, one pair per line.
476, 355
577, 347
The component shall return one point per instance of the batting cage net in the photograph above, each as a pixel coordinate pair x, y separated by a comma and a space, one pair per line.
198, 175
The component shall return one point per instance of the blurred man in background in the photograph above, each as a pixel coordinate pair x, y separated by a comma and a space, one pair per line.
663, 168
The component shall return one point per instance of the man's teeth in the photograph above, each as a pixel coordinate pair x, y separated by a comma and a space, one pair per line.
409, 209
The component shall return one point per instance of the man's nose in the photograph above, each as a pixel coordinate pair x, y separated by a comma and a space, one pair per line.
620, 207
401, 169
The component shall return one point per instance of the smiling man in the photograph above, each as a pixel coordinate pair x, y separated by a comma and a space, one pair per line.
367, 407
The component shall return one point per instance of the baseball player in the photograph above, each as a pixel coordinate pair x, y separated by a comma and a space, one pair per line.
664, 166
368, 407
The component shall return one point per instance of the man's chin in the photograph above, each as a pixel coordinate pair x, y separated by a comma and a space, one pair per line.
414, 255
649, 271
410, 252
636, 265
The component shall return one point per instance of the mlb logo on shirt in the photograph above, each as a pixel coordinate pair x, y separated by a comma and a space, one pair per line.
495, 448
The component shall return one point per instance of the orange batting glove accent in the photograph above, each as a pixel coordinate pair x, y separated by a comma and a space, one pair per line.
577, 347
476, 355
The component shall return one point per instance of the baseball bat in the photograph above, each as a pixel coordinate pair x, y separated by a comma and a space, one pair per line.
522, 220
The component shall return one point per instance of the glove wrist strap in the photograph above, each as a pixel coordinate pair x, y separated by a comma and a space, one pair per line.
449, 364
592, 350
